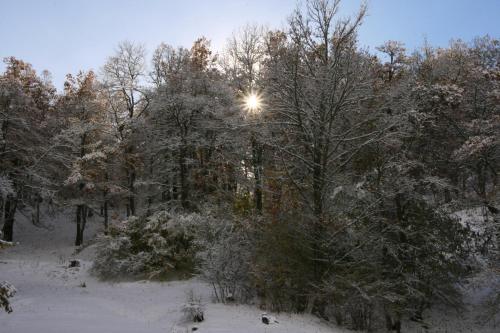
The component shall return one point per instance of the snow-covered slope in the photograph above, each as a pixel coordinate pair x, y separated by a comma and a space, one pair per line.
51, 298
53, 240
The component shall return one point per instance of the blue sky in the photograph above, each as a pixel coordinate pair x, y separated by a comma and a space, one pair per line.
65, 36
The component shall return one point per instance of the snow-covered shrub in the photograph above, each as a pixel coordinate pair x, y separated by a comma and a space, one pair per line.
6, 291
224, 258
193, 309
153, 247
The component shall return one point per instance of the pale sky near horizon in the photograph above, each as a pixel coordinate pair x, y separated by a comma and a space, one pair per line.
64, 36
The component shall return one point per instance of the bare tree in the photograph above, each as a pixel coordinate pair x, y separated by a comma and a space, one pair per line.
396, 52
244, 56
318, 83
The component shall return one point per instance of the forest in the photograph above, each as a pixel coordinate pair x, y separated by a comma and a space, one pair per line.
294, 170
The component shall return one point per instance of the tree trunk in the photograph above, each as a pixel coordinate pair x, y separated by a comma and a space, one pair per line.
1, 210
318, 184
85, 214
81, 221
166, 195
78, 240
104, 206
131, 198
10, 212
151, 188
183, 178
174, 188
105, 211
80, 218
257, 171
38, 201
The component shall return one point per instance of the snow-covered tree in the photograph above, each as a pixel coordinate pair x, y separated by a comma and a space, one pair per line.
81, 146
243, 64
124, 81
26, 101
186, 120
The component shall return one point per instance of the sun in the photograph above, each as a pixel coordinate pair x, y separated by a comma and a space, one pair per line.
252, 102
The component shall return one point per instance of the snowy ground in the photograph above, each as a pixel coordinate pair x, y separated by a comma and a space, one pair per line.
50, 297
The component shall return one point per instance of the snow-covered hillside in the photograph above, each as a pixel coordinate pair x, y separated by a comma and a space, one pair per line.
53, 298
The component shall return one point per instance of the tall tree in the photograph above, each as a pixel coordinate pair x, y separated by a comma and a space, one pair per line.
317, 86
242, 63
124, 75
25, 101
81, 144
186, 116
